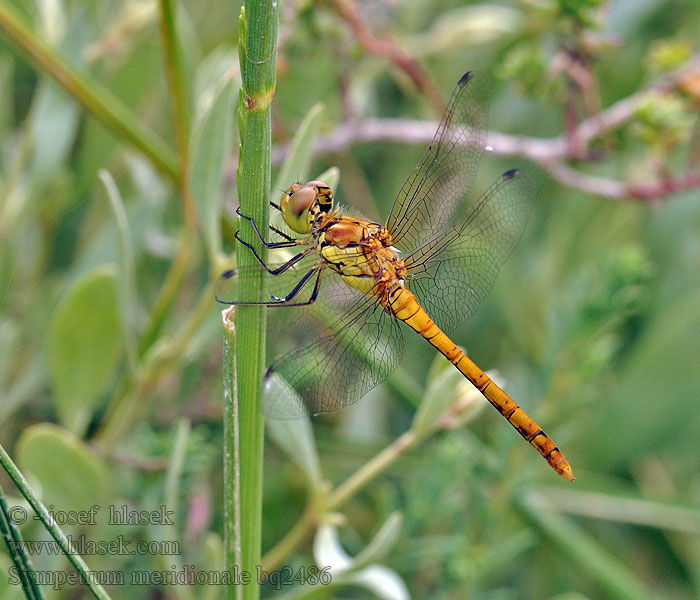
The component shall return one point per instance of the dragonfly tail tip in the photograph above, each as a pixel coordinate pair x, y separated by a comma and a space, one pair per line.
568, 473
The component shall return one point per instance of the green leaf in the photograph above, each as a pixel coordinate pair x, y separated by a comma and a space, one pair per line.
173, 479
71, 477
382, 542
54, 125
84, 346
296, 164
449, 400
590, 558
214, 68
296, 438
439, 395
126, 290
211, 145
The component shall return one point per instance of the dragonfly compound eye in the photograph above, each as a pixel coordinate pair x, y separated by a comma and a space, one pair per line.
296, 207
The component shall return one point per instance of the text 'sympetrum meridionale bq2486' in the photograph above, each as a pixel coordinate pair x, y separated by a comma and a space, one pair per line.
352, 282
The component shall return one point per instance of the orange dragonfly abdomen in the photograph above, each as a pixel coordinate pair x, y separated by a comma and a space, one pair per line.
405, 307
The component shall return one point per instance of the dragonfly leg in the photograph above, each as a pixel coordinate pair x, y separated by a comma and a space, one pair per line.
269, 245
282, 268
312, 298
290, 263
287, 300
281, 233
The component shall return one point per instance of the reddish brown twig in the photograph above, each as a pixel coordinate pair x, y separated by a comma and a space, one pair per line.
551, 154
402, 59
665, 187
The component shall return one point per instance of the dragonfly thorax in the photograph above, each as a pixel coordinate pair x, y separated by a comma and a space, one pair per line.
361, 253
302, 205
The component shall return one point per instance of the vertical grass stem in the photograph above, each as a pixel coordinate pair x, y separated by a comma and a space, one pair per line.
257, 43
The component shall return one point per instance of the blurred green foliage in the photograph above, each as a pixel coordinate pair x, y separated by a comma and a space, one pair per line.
593, 323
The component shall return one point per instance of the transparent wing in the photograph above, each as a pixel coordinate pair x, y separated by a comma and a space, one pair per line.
349, 357
445, 173
451, 274
334, 296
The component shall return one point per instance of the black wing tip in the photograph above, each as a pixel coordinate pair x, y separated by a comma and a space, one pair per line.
525, 180
465, 79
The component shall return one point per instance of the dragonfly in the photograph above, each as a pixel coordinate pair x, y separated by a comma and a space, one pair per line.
353, 286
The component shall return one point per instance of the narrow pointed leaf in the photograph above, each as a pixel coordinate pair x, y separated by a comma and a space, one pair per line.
296, 164
211, 147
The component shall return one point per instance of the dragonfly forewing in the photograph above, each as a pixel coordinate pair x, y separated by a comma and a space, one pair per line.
452, 273
438, 185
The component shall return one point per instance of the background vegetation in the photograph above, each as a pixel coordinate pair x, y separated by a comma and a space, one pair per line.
117, 199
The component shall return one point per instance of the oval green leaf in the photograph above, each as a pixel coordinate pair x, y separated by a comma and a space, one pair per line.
84, 346
71, 477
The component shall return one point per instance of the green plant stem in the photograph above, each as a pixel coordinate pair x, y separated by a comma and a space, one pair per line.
179, 100
609, 507
173, 487
294, 538
97, 100
335, 499
341, 494
174, 71
232, 475
162, 359
257, 41
371, 469
16, 551
125, 407
169, 290
56, 533
611, 575
178, 268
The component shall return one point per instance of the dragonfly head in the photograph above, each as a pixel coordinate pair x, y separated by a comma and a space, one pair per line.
301, 204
